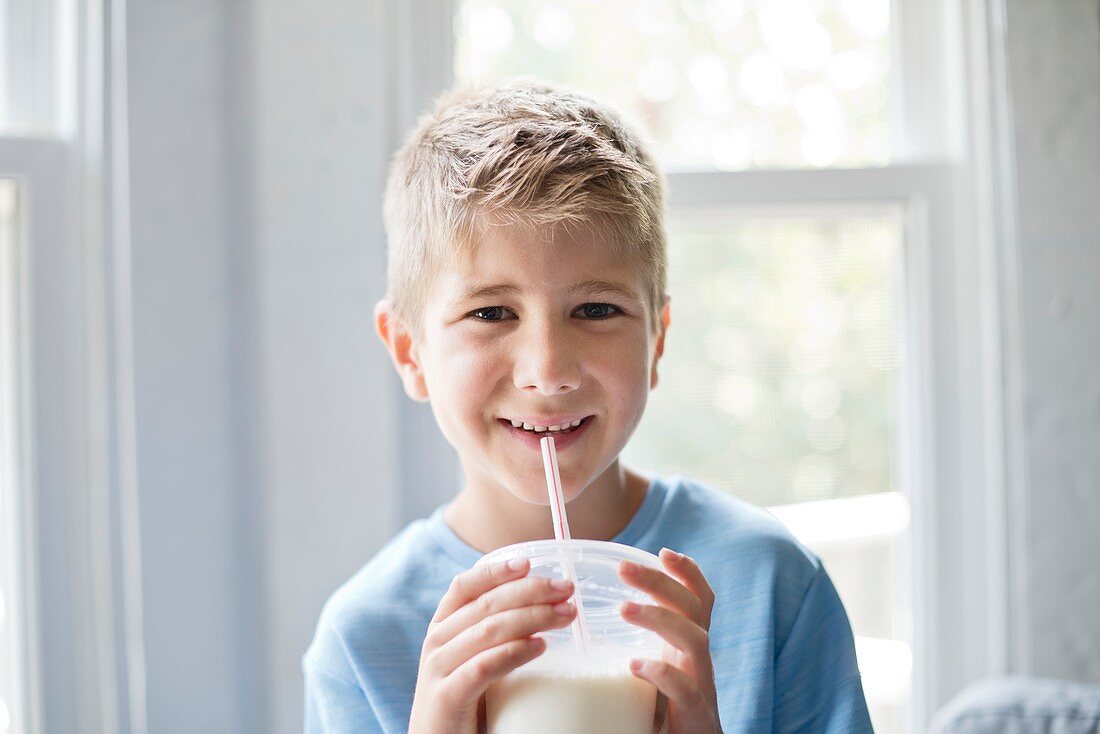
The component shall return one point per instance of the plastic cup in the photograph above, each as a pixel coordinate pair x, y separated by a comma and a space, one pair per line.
565, 690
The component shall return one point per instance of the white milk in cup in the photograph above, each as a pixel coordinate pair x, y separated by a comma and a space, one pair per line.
566, 690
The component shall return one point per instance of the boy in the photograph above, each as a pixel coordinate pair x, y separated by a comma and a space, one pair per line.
527, 297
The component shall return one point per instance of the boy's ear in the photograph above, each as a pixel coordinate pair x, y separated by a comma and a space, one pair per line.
401, 345
659, 347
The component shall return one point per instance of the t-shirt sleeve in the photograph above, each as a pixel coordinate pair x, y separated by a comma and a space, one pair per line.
336, 706
817, 685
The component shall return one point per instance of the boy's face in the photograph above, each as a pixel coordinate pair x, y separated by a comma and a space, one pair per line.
543, 333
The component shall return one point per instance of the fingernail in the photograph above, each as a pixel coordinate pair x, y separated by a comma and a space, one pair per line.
561, 584
675, 556
631, 608
517, 564
631, 569
564, 609
636, 665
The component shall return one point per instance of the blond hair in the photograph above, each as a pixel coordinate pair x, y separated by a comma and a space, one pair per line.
525, 154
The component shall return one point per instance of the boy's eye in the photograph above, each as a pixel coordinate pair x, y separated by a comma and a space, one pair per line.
588, 311
598, 311
490, 313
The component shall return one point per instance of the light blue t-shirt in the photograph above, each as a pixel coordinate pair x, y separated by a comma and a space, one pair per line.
784, 657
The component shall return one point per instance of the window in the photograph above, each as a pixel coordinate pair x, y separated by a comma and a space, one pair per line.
727, 84
30, 154
56, 435
781, 386
794, 290
11, 631
36, 66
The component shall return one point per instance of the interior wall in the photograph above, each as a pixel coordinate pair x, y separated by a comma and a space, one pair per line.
327, 395
1054, 80
265, 462
198, 518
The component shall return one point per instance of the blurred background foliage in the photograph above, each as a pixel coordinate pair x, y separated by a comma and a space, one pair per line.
726, 84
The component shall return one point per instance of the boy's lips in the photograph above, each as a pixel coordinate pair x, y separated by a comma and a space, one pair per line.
562, 439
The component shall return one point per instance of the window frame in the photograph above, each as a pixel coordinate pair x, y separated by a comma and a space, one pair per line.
34, 167
923, 193
81, 605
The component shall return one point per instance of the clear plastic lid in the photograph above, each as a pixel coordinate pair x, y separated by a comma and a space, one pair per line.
612, 641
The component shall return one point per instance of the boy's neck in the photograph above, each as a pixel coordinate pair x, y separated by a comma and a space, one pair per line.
487, 519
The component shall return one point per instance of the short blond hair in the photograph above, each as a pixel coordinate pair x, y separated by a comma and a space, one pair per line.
525, 154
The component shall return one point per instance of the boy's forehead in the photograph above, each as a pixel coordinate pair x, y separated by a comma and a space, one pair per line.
511, 260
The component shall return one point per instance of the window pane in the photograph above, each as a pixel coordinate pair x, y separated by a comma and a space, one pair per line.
863, 542
780, 373
37, 67
727, 84
779, 385
10, 664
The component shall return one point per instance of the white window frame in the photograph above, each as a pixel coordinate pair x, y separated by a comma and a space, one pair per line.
951, 178
18, 534
79, 557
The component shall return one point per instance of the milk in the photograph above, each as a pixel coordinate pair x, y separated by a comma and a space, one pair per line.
580, 685
571, 703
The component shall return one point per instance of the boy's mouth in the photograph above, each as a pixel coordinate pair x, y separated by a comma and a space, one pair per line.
564, 431
546, 428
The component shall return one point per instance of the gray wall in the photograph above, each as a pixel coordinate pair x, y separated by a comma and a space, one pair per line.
327, 396
203, 617
1054, 78
265, 409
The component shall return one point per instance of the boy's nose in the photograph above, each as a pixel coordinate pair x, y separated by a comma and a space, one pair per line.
547, 364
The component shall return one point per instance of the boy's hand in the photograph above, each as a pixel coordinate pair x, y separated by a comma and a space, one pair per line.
482, 630
682, 618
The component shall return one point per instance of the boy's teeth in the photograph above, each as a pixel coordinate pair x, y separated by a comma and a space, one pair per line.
544, 429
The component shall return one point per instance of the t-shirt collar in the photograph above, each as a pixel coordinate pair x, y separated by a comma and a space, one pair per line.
466, 555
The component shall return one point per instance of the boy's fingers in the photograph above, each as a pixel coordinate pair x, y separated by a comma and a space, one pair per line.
509, 595
471, 584
664, 589
497, 630
475, 675
692, 710
675, 629
688, 572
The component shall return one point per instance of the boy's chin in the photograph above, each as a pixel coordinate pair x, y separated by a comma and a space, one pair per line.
539, 496
536, 496
527, 487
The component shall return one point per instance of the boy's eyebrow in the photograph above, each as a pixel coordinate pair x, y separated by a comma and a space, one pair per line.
603, 286
488, 291
476, 292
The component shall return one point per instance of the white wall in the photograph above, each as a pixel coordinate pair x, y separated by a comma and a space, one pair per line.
329, 96
1054, 75
326, 396
268, 415
198, 518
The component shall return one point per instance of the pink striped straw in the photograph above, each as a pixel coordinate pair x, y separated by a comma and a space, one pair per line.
561, 532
